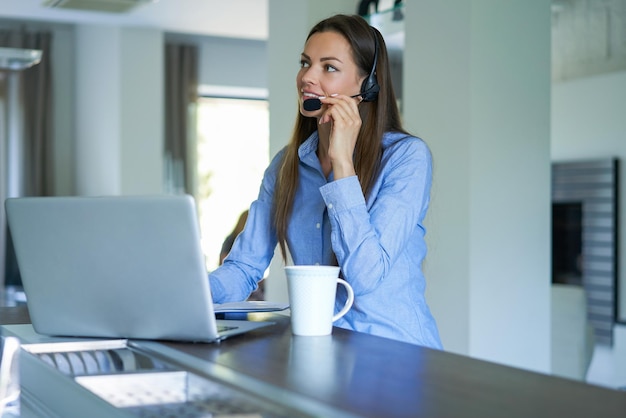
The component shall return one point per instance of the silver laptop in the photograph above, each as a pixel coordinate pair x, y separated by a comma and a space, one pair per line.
116, 267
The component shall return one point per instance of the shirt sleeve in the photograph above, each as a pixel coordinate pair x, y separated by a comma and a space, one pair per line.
367, 237
253, 248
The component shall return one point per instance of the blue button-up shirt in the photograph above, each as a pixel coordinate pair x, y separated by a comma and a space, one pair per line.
378, 242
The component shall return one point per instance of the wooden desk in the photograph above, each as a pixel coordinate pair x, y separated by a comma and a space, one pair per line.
374, 377
371, 376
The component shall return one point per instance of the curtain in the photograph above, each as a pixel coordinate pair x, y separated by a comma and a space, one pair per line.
35, 100
31, 115
181, 96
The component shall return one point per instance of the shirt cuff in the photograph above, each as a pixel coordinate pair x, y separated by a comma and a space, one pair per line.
342, 194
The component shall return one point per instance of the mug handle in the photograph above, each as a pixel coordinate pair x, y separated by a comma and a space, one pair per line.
349, 301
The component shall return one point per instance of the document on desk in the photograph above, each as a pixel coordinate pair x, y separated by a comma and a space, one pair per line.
249, 306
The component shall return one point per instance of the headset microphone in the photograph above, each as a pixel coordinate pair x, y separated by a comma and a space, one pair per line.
316, 104
369, 88
312, 104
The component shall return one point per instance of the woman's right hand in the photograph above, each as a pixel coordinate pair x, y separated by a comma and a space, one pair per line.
342, 113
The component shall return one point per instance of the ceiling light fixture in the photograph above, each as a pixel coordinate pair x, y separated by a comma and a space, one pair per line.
17, 59
111, 6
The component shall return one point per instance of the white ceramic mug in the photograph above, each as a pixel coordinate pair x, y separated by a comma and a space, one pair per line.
312, 291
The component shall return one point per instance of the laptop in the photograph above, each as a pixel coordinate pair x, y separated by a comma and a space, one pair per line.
116, 267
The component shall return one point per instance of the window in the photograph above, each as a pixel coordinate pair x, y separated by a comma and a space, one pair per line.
232, 154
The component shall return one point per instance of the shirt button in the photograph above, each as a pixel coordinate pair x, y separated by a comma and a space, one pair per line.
330, 206
318, 226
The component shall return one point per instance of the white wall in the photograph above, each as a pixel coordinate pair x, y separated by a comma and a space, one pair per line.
119, 110
141, 110
588, 122
227, 61
98, 103
477, 88
63, 108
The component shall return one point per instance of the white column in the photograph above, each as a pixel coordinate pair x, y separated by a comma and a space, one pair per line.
477, 89
289, 24
119, 110
142, 111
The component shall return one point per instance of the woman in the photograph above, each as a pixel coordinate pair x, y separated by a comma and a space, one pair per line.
351, 188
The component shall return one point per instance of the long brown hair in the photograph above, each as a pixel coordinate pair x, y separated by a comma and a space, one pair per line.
378, 116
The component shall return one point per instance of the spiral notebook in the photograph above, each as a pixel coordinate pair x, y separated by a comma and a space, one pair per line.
116, 267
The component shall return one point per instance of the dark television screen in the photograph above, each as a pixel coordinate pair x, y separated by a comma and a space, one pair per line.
567, 243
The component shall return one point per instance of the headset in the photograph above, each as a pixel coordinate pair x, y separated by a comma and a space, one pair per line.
370, 87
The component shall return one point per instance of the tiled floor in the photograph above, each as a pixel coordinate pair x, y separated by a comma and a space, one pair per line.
608, 364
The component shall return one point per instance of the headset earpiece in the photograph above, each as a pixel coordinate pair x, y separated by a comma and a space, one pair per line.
370, 87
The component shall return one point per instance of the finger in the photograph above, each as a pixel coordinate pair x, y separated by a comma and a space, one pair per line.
335, 99
334, 113
341, 115
349, 104
347, 114
341, 106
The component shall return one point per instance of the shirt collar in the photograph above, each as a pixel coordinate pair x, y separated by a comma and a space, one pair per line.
307, 152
